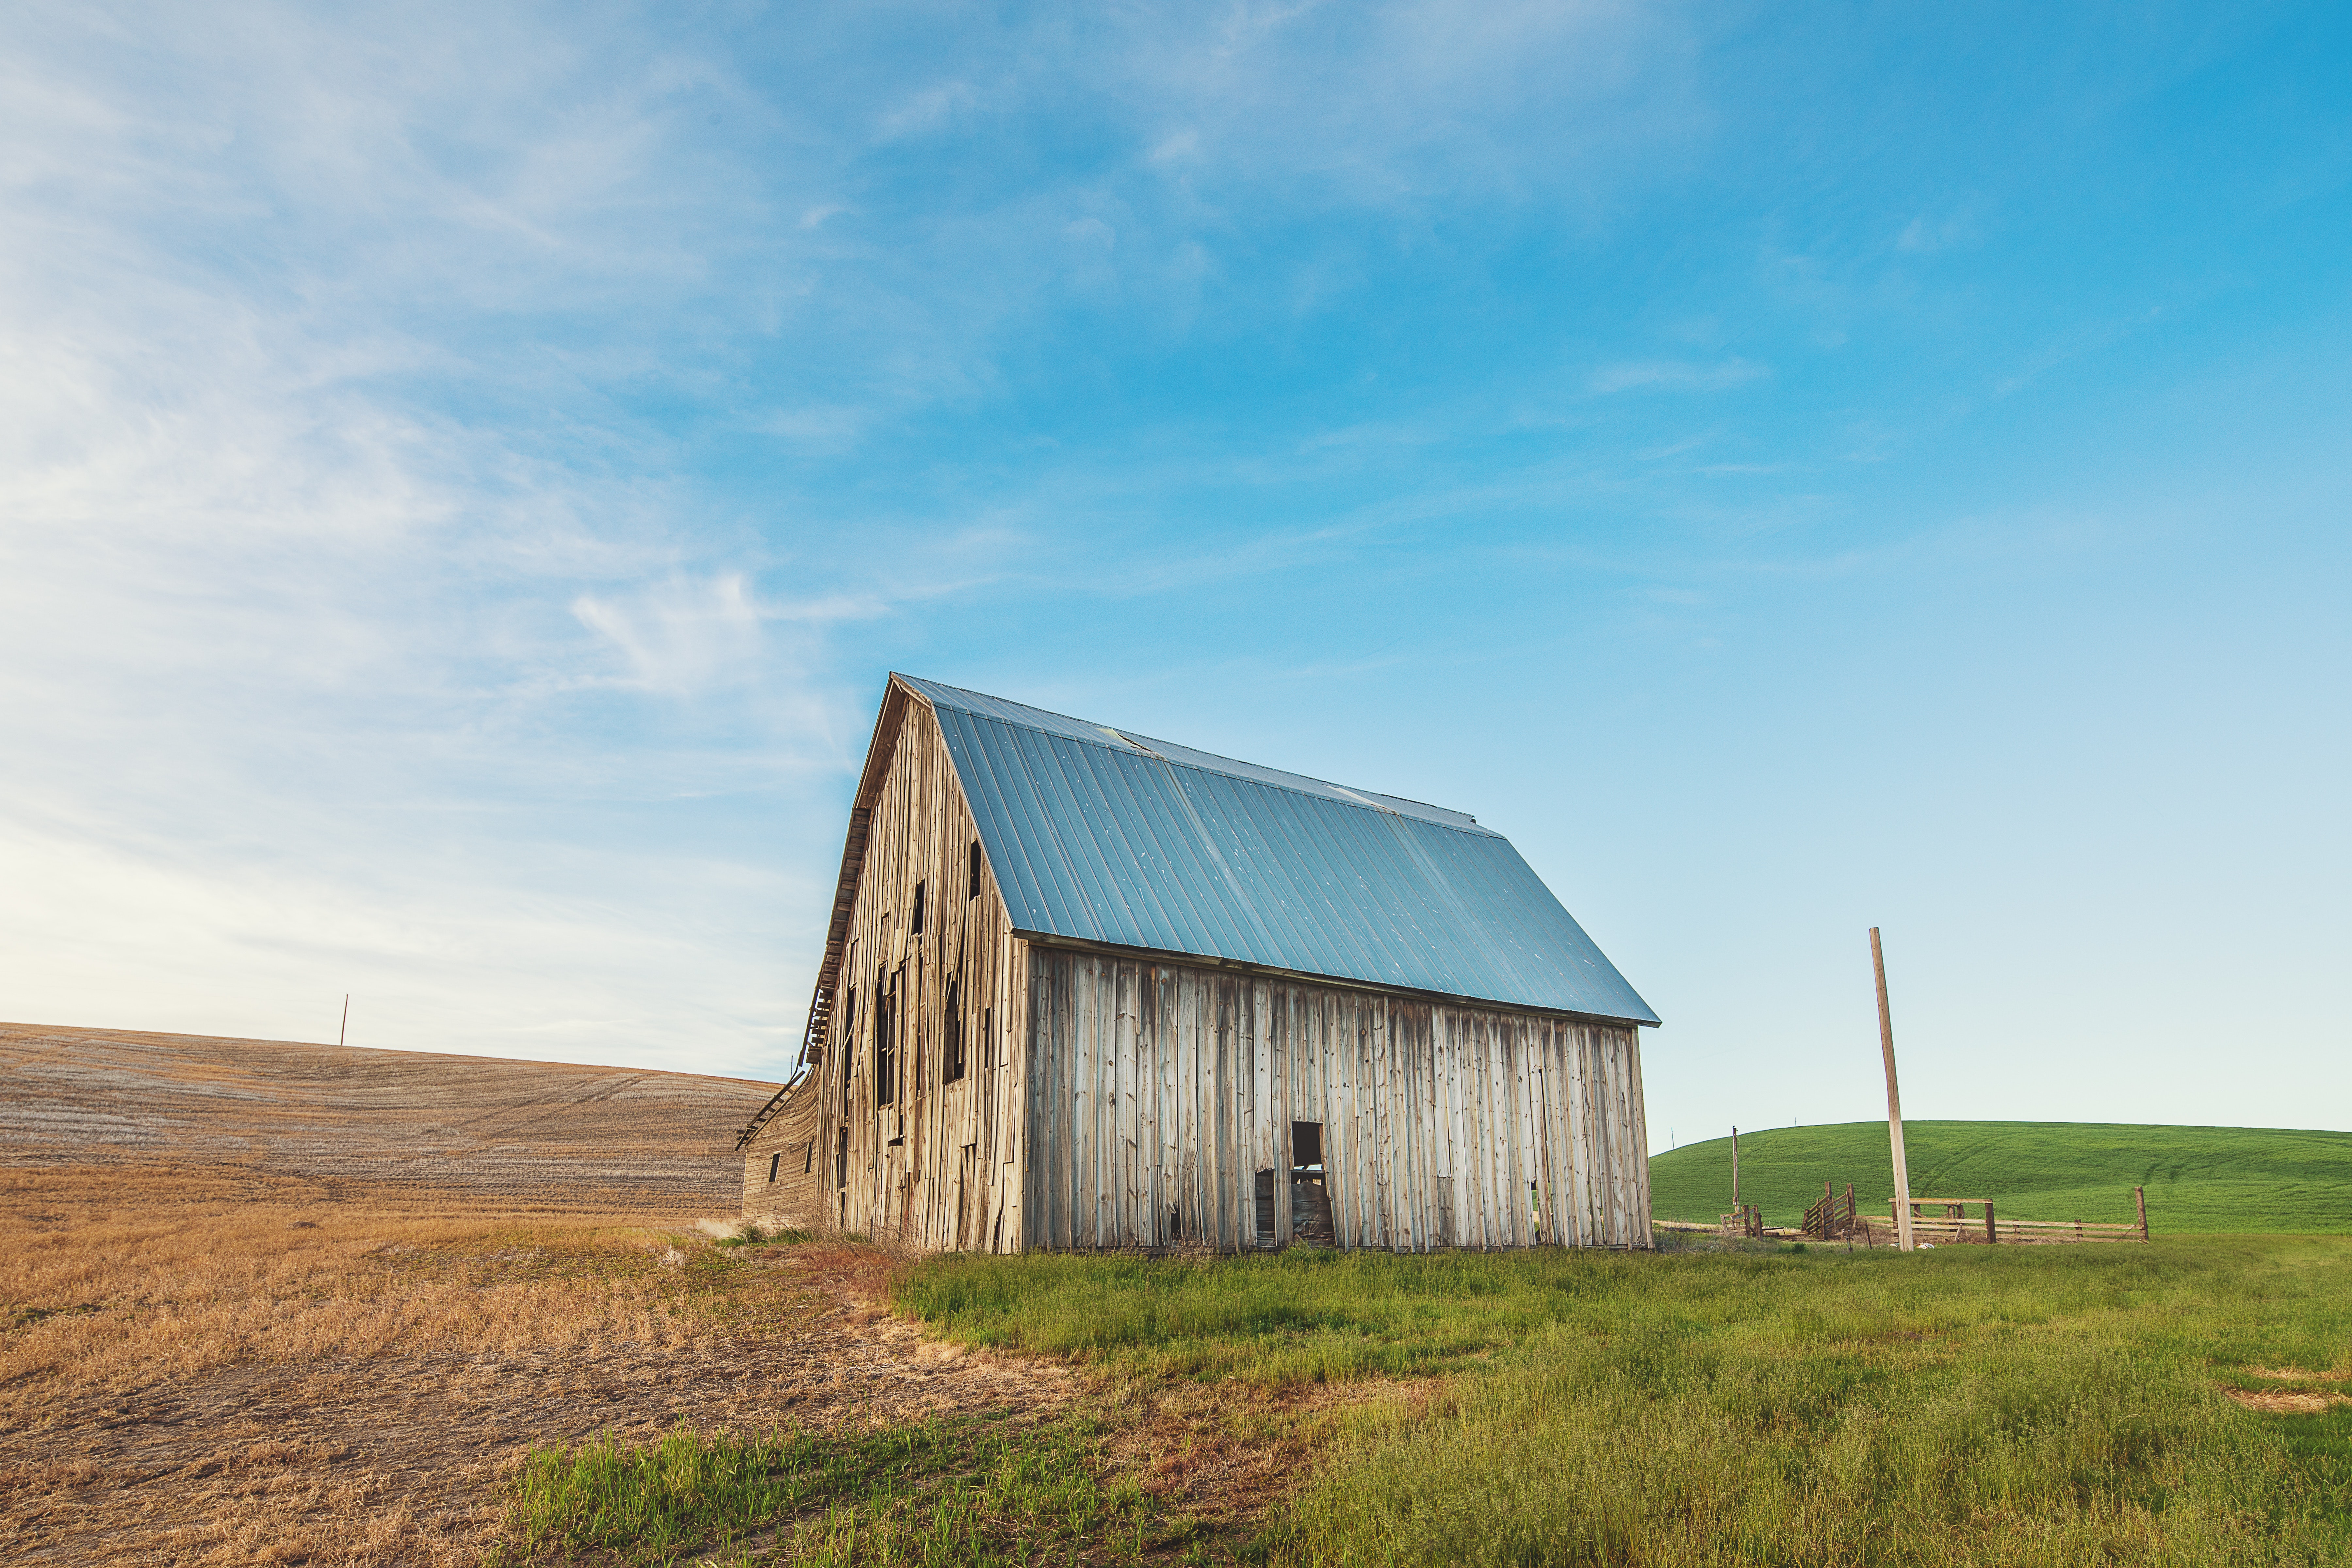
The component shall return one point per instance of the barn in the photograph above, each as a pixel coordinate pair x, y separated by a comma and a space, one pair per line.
1087, 989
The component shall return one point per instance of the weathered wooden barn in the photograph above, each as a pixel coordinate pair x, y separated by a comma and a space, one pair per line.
1087, 989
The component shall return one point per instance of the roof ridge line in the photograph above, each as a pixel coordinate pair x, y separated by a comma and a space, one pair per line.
1472, 826
1363, 799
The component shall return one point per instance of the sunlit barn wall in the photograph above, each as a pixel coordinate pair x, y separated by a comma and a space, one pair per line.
1159, 1093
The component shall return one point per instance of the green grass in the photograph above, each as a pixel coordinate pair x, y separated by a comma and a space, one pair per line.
2200, 1180
2013, 1406
1303, 1316
2026, 1407
933, 1494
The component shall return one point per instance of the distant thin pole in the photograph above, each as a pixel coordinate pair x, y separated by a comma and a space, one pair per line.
1734, 1167
346, 1029
1894, 1099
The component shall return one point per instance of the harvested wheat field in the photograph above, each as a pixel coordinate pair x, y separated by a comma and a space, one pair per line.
537, 1132
282, 1303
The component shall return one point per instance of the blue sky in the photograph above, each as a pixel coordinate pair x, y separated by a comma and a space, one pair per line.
466, 472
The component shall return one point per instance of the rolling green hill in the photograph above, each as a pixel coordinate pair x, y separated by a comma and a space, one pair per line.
2199, 1179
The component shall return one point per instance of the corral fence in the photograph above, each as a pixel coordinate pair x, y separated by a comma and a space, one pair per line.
1833, 1218
1940, 1222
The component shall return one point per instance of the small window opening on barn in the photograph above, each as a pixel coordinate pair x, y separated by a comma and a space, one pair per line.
886, 1048
1307, 1146
841, 1161
775, 1161
951, 1067
915, 921
848, 1033
972, 881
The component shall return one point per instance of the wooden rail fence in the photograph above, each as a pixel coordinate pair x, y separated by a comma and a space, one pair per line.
1947, 1222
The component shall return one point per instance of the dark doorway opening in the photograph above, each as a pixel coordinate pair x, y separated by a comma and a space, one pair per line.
1311, 1189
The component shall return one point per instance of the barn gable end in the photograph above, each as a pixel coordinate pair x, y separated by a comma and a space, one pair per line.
909, 1086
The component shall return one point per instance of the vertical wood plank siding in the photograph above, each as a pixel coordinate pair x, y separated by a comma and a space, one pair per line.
908, 1177
1166, 1088
786, 1144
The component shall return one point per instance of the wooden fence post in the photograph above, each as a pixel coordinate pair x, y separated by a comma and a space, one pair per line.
1991, 1236
1894, 1099
2139, 1197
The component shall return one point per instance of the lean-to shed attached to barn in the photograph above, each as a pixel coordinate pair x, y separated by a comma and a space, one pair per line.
1087, 989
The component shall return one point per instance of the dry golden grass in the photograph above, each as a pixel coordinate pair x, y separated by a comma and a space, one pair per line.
202, 1365
173, 1275
263, 1301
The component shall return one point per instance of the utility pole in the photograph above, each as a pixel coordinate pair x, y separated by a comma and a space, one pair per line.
346, 1029
1894, 1099
1734, 1167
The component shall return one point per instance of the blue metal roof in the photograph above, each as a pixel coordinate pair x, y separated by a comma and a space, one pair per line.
1100, 835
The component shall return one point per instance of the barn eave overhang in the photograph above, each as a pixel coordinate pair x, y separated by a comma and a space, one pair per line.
1336, 982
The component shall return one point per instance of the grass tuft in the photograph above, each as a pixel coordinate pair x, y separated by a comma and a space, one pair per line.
935, 1493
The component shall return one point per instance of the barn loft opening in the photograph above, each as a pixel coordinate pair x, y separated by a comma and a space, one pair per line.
885, 1047
952, 1067
775, 1161
971, 883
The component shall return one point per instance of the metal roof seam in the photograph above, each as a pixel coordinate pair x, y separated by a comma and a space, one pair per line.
1138, 823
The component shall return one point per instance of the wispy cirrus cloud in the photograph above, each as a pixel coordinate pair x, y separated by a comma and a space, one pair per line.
330, 570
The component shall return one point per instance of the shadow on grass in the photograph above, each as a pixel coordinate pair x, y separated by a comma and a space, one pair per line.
965, 1492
